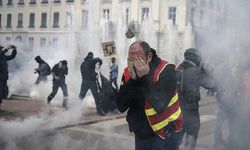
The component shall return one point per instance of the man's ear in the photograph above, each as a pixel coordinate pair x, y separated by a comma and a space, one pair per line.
150, 56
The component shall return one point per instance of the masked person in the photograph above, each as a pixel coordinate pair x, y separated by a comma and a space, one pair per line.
148, 94
191, 75
89, 77
59, 71
4, 73
43, 70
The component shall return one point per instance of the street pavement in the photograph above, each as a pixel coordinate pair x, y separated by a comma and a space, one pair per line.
95, 132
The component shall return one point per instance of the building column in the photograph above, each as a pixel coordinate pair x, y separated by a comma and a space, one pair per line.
134, 11
115, 12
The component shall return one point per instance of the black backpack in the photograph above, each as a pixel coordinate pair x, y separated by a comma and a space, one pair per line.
48, 72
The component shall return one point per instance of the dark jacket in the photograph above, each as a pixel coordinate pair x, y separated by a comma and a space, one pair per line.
88, 68
59, 72
190, 78
42, 68
133, 93
3, 64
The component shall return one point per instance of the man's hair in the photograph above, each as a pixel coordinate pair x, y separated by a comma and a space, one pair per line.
145, 46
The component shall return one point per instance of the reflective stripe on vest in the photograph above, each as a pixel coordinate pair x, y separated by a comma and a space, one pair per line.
171, 114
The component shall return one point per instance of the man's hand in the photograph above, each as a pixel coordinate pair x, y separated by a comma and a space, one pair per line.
131, 68
142, 67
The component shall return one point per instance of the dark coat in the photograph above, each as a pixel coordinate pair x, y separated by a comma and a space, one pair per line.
59, 72
88, 68
133, 93
3, 64
190, 78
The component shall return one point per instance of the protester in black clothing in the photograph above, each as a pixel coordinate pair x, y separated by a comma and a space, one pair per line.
147, 83
4, 70
58, 72
42, 70
89, 77
191, 75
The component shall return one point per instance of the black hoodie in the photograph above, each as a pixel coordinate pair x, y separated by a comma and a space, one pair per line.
88, 68
3, 64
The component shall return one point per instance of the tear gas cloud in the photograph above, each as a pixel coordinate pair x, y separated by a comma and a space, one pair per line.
222, 37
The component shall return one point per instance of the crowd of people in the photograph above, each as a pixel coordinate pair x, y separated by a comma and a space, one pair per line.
160, 98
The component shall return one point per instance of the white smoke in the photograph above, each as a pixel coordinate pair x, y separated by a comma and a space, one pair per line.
221, 31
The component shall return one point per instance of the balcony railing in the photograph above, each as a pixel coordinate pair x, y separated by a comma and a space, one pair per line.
69, 1
32, 2
57, 1
20, 3
44, 2
10, 3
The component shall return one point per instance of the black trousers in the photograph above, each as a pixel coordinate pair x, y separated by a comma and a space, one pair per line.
3, 90
55, 87
92, 85
191, 125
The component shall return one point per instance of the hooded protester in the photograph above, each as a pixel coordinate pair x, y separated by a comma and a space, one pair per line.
148, 95
191, 75
59, 71
43, 70
4, 73
89, 77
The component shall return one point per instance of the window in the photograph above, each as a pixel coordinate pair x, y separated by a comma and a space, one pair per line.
10, 2
70, 1
84, 18
172, 14
32, 20
106, 13
21, 2
56, 20
57, 1
0, 20
42, 42
144, 13
31, 43
44, 20
20, 20
44, 1
9, 19
32, 1
1, 2
8, 39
